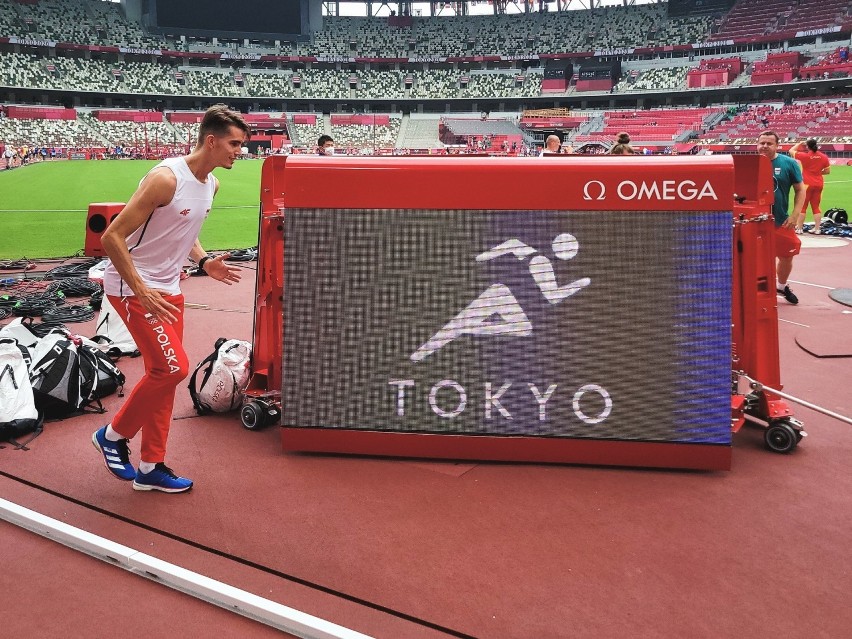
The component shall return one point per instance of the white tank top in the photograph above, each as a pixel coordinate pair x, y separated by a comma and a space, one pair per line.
161, 245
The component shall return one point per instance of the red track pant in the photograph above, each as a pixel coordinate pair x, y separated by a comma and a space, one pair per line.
149, 406
813, 198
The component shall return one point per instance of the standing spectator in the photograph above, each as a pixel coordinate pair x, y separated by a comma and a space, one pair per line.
786, 174
9, 155
815, 164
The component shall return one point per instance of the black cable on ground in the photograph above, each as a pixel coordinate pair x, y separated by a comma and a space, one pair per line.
8, 301
71, 314
42, 329
75, 286
79, 269
22, 264
243, 255
36, 304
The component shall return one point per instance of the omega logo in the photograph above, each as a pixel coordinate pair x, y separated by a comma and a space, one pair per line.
628, 190
593, 186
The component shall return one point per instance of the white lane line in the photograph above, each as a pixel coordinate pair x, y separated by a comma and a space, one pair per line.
830, 288
796, 323
221, 594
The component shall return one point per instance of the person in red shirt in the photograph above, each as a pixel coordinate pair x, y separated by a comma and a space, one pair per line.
815, 164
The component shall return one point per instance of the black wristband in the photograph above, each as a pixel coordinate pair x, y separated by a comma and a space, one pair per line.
203, 261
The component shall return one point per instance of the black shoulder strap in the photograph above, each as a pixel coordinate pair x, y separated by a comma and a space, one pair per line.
38, 430
193, 387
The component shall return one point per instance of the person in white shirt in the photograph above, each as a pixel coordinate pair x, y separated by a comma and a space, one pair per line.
9, 154
553, 146
147, 244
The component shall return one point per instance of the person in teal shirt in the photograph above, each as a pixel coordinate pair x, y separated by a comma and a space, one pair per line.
786, 175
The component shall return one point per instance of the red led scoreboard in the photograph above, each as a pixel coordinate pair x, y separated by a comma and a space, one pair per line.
566, 309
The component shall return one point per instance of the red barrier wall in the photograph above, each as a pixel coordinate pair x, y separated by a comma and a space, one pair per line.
184, 117
38, 113
129, 116
772, 76
594, 85
708, 78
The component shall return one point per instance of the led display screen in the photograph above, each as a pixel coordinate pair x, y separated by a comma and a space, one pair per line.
569, 324
251, 16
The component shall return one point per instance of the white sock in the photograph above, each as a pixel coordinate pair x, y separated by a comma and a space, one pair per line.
780, 287
111, 435
146, 467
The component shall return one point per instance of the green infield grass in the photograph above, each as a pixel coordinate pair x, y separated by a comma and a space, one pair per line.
43, 206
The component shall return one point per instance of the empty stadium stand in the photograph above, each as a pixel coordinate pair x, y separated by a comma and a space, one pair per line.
829, 121
748, 18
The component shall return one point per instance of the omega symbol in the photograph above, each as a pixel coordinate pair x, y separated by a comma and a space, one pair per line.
588, 189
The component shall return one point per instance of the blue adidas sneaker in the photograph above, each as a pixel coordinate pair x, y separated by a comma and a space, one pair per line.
161, 478
116, 455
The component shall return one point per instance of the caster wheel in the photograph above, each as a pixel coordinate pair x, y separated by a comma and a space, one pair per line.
781, 438
252, 416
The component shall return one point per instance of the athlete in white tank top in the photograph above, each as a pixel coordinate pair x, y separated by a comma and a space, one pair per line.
160, 246
147, 244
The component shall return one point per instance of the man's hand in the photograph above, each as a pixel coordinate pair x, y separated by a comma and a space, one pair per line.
794, 222
218, 269
153, 301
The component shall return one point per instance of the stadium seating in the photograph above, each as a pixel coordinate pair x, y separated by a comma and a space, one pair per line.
355, 138
379, 84
148, 77
661, 78
216, 84
748, 18
278, 85
421, 133
513, 35
92, 22
131, 135
48, 133
829, 121
652, 124
79, 21
306, 135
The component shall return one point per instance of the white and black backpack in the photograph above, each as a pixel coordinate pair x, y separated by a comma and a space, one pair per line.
18, 413
224, 377
70, 375
112, 335
55, 375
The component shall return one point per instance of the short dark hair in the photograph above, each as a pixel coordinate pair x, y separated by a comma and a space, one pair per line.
323, 139
812, 145
218, 119
772, 133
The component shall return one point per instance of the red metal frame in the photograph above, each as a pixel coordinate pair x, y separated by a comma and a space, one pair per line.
504, 184
267, 333
755, 303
